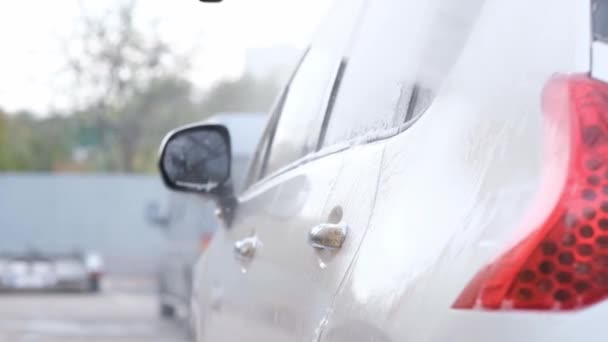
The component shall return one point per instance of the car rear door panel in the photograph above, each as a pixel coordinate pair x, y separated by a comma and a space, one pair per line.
454, 187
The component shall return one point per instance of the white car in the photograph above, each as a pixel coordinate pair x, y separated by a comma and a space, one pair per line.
434, 171
34, 270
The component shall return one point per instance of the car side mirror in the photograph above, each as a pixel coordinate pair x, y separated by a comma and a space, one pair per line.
197, 158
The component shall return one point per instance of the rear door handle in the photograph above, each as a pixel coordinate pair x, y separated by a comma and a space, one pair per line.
328, 235
245, 249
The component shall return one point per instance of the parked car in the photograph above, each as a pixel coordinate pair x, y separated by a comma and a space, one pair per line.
36, 270
189, 221
434, 171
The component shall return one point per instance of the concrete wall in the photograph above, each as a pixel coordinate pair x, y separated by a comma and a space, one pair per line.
102, 213
105, 212
99, 212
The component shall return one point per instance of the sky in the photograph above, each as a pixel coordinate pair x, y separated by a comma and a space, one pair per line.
31, 63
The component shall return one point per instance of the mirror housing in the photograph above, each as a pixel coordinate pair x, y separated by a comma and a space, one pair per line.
197, 158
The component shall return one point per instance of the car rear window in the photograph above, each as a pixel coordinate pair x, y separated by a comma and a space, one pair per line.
600, 20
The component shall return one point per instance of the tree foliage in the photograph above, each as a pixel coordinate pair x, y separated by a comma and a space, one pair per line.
28, 143
131, 90
113, 62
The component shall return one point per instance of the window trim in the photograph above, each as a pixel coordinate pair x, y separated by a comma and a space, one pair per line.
255, 166
335, 90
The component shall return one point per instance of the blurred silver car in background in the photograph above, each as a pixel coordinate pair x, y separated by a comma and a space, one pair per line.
34, 270
189, 222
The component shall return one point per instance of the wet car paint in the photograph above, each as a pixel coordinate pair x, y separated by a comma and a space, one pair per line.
465, 175
293, 202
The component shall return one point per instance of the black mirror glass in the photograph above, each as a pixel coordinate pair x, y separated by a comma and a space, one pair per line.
196, 158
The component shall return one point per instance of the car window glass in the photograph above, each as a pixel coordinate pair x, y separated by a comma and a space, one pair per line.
300, 120
260, 157
396, 63
300, 112
600, 20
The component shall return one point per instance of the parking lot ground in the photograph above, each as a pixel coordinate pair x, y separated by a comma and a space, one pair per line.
120, 313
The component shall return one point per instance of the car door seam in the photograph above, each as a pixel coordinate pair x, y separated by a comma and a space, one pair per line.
350, 266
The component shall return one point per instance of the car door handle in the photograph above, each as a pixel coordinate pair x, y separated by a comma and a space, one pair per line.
328, 235
245, 249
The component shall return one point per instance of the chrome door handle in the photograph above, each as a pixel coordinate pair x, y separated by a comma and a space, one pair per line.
328, 235
245, 249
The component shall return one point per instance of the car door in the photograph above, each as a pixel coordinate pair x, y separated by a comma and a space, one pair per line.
262, 279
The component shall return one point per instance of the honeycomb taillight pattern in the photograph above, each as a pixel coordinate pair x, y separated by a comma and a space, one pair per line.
563, 264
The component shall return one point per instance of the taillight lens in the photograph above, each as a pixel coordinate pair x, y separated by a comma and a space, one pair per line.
563, 263
205, 240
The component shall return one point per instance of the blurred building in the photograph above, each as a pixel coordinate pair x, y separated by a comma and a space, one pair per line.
276, 62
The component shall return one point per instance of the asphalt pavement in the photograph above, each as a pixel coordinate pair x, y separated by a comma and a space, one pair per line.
124, 311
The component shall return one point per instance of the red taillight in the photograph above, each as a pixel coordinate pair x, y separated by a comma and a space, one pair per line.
563, 263
205, 240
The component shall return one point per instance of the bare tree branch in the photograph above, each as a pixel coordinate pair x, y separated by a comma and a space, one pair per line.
111, 61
